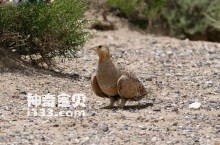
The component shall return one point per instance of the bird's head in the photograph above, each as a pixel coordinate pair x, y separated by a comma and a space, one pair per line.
103, 52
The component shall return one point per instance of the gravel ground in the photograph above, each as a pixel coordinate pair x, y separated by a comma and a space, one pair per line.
178, 73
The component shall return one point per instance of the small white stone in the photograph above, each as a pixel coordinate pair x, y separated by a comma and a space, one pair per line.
195, 105
154, 139
142, 127
85, 139
76, 141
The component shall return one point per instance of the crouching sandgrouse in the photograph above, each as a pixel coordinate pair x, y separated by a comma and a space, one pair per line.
113, 82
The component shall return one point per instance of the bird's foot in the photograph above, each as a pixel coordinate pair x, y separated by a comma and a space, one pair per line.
122, 103
112, 102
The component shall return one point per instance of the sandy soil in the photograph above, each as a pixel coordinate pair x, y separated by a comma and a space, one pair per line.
178, 73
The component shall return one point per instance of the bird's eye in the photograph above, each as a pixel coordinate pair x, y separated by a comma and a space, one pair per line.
100, 46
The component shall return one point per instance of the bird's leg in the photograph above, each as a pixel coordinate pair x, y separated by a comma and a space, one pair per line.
112, 101
122, 103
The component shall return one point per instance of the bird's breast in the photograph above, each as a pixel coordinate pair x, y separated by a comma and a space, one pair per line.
107, 77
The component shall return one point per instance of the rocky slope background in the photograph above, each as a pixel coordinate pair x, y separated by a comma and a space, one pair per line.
178, 73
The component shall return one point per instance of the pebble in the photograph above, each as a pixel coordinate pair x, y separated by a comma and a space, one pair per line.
84, 140
142, 127
93, 114
195, 105
149, 79
94, 125
175, 124
105, 128
154, 139
56, 125
125, 127
76, 141
209, 83
157, 109
23, 92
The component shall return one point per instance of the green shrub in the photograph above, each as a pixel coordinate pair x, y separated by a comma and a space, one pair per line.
127, 7
187, 18
48, 30
194, 19
139, 12
213, 16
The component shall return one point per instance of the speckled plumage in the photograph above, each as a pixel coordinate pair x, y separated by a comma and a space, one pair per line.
115, 82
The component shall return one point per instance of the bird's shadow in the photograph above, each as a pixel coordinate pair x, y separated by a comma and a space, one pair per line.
129, 107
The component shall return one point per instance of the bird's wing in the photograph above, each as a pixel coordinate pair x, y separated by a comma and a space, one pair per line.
130, 87
95, 87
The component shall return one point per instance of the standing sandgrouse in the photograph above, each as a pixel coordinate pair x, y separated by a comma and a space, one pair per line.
113, 82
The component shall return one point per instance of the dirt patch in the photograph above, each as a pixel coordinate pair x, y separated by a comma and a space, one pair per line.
178, 73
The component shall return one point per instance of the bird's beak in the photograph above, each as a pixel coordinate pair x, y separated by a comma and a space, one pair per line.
94, 48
